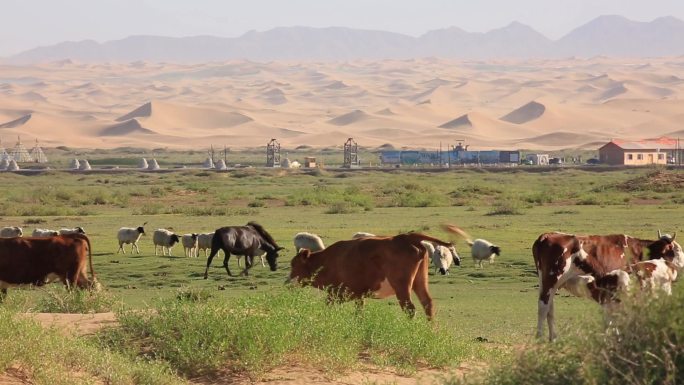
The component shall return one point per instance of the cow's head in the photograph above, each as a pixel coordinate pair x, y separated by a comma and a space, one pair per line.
299, 267
272, 258
668, 249
174, 239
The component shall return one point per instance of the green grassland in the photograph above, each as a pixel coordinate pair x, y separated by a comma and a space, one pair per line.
511, 208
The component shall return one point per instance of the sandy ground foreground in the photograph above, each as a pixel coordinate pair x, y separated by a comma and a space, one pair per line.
542, 104
83, 324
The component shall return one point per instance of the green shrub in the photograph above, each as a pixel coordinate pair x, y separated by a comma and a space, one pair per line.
200, 337
58, 299
641, 343
506, 208
49, 358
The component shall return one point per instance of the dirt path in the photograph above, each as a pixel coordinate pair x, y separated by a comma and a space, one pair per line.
74, 324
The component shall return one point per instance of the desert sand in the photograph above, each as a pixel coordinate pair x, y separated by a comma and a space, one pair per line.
544, 104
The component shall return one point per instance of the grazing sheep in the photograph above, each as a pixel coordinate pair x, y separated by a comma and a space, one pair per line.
164, 238
190, 244
308, 241
11, 232
44, 233
204, 243
482, 250
442, 257
361, 234
130, 235
75, 230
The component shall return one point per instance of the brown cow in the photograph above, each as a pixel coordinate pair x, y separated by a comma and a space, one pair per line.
591, 266
37, 261
381, 266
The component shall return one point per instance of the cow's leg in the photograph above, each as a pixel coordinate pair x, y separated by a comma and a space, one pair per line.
420, 287
544, 308
551, 318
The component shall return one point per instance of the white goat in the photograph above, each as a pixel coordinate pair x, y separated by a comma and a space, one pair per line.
164, 238
129, 235
190, 244
44, 233
442, 257
308, 241
75, 230
11, 232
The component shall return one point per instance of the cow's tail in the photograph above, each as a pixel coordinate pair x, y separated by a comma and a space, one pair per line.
453, 229
416, 238
90, 258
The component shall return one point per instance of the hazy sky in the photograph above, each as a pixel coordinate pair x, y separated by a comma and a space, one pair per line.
30, 23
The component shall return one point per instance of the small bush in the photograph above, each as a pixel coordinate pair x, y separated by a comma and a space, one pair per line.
58, 299
506, 208
341, 208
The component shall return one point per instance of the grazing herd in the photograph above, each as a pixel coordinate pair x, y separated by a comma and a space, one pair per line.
598, 267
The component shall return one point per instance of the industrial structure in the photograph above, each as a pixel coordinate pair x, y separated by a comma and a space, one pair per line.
351, 154
273, 153
454, 155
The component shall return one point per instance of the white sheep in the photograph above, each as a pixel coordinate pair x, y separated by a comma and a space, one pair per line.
204, 242
361, 234
164, 238
189, 242
75, 230
130, 235
308, 241
44, 233
482, 250
11, 232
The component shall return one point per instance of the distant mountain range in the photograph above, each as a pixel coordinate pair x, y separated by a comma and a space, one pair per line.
605, 35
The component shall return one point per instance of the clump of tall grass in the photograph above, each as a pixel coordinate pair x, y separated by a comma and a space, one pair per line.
506, 207
642, 343
57, 299
254, 334
47, 357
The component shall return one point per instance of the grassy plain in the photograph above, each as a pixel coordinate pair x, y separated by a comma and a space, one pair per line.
511, 208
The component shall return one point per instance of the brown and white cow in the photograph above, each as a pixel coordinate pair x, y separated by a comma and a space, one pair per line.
591, 266
378, 266
37, 261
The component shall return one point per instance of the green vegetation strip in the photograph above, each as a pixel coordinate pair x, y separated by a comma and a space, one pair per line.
198, 335
47, 357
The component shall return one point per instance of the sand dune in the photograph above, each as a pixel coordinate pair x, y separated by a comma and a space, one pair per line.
462, 121
525, 114
125, 128
544, 104
16, 122
349, 118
